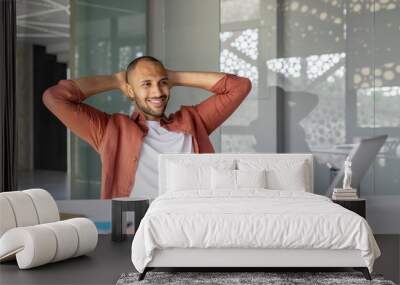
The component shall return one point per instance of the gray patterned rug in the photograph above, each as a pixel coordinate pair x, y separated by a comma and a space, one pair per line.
225, 278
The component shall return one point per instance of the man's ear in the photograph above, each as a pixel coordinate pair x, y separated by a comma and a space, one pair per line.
131, 93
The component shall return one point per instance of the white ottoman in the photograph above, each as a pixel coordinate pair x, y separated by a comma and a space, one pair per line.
31, 232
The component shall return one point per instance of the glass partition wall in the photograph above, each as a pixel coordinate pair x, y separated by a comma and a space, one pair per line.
62, 39
326, 73
105, 37
42, 53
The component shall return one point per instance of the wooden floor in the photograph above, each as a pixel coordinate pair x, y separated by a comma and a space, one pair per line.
111, 259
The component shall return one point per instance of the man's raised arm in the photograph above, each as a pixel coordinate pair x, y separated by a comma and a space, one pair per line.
65, 98
229, 92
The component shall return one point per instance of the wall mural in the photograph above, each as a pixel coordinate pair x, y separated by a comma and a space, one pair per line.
335, 66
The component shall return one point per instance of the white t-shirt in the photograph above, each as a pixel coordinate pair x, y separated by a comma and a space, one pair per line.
158, 140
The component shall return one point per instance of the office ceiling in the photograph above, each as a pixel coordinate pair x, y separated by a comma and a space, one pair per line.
45, 22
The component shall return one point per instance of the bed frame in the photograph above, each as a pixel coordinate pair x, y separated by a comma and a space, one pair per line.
246, 259
242, 259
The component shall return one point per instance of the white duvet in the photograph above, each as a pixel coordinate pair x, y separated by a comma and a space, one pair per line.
251, 218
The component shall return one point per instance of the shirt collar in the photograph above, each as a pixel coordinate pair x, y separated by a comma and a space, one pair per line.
140, 117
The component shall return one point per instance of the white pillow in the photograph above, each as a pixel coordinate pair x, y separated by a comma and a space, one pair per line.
182, 177
282, 174
193, 173
223, 179
237, 179
251, 178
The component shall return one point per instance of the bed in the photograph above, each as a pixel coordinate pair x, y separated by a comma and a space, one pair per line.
245, 211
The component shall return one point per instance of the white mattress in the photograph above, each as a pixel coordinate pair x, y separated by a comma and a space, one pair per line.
251, 218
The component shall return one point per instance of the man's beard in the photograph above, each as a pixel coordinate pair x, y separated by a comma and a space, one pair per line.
147, 110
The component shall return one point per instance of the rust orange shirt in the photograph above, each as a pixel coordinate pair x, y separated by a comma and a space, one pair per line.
118, 137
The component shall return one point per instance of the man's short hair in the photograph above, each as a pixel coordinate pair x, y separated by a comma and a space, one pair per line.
131, 66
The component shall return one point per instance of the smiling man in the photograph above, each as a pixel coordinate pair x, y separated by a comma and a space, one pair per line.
129, 145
